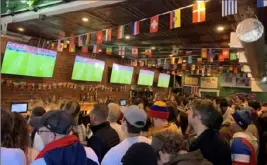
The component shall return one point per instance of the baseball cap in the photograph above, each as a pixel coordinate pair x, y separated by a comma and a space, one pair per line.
57, 121
243, 118
135, 116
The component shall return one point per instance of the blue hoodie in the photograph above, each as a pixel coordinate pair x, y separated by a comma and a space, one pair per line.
74, 154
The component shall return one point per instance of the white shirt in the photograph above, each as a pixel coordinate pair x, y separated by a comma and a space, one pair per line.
119, 131
89, 153
12, 156
115, 154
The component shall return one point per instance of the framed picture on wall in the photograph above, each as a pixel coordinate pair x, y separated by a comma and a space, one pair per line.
209, 82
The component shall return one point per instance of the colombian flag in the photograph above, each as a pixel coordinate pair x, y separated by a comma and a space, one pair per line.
175, 18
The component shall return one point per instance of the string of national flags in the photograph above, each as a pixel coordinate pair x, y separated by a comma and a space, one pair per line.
229, 7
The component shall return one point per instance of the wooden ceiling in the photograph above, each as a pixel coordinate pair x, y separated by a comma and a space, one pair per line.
189, 35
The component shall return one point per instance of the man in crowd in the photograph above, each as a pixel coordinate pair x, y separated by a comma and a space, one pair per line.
103, 135
244, 145
132, 124
159, 115
61, 148
205, 119
113, 116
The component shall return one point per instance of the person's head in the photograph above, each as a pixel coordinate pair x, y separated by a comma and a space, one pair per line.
173, 97
114, 112
223, 103
99, 114
203, 114
38, 111
240, 121
20, 133
159, 96
7, 126
55, 124
159, 113
173, 113
138, 102
140, 154
134, 120
73, 108
256, 105
167, 144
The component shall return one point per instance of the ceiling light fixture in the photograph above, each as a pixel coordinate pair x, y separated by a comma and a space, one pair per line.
220, 28
100, 50
153, 47
127, 37
171, 55
20, 29
84, 19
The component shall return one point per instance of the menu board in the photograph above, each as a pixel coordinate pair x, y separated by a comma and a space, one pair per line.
191, 81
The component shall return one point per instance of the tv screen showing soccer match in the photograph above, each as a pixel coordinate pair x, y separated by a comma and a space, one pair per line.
164, 80
21, 59
146, 77
86, 69
121, 74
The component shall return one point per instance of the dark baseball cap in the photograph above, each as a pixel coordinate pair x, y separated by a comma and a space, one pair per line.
57, 121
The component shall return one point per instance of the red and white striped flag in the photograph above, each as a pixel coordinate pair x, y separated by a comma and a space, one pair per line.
108, 35
135, 51
121, 50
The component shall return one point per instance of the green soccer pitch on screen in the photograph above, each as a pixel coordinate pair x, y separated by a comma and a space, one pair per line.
145, 77
86, 69
121, 74
25, 60
164, 80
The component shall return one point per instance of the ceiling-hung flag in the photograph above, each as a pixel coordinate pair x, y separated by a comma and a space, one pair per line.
93, 38
99, 39
121, 50
85, 49
65, 44
188, 53
261, 3
87, 41
134, 51
199, 12
199, 60
175, 18
109, 50
235, 70
221, 58
173, 60
108, 34
211, 55
204, 53
189, 60
80, 43
136, 28
95, 49
180, 60
154, 24
148, 52
59, 46
72, 43
226, 53
175, 51
233, 56
193, 67
120, 34
183, 66
229, 7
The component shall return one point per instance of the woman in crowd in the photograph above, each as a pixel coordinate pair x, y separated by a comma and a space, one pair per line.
10, 155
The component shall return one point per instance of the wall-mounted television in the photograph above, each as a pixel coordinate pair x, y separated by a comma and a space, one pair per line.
87, 69
145, 77
25, 60
164, 80
121, 74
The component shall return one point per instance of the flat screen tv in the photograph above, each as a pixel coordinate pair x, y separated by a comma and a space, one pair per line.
25, 60
121, 74
164, 80
86, 69
145, 77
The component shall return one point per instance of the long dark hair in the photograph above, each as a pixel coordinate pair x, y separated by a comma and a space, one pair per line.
7, 126
20, 134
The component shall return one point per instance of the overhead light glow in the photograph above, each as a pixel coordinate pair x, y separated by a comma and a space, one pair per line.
171, 55
220, 28
23, 1
100, 50
84, 19
127, 37
20, 29
153, 47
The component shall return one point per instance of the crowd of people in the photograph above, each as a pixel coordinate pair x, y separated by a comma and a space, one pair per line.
176, 131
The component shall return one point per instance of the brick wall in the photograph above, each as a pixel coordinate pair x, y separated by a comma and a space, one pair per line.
62, 73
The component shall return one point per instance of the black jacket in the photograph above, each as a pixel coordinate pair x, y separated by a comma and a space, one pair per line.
213, 148
103, 139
